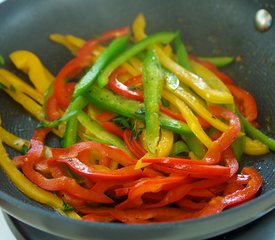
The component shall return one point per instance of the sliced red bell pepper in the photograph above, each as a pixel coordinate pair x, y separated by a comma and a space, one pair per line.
120, 88
180, 191
245, 102
201, 193
77, 64
230, 161
121, 174
123, 89
194, 170
105, 116
52, 109
113, 128
217, 204
57, 184
96, 148
136, 149
148, 185
134, 216
213, 154
187, 203
134, 81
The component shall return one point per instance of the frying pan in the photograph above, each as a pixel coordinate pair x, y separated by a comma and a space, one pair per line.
208, 28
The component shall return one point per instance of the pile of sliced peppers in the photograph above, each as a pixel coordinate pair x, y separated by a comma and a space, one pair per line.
149, 133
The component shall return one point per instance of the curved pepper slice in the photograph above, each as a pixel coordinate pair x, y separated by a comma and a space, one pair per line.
30, 64
112, 152
193, 81
77, 64
120, 88
121, 174
29, 188
151, 185
245, 102
57, 184
217, 204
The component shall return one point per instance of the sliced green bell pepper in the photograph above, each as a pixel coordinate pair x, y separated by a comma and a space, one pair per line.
162, 37
87, 80
152, 85
109, 101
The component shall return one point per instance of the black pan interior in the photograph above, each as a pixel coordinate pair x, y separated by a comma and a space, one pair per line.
208, 28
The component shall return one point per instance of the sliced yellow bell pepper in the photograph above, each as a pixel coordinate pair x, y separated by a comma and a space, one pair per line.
27, 103
196, 106
130, 69
165, 143
137, 64
13, 141
30, 64
254, 147
61, 39
75, 41
212, 80
11, 81
191, 119
194, 82
139, 25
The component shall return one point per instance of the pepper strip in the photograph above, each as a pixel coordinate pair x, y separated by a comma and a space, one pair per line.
180, 191
99, 132
136, 149
191, 119
152, 85
245, 102
112, 152
87, 80
211, 79
135, 200
218, 61
133, 216
164, 37
194, 82
217, 204
190, 79
13, 141
77, 64
254, 147
27, 103
257, 134
57, 184
182, 55
66, 42
121, 174
30, 64
29, 188
9, 80
215, 151
192, 101
108, 101
165, 143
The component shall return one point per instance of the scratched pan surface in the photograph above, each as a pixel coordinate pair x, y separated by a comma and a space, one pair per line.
207, 27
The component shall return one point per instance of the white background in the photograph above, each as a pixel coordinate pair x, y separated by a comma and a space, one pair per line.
5, 232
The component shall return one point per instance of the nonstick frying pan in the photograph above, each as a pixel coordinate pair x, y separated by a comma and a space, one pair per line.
208, 28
